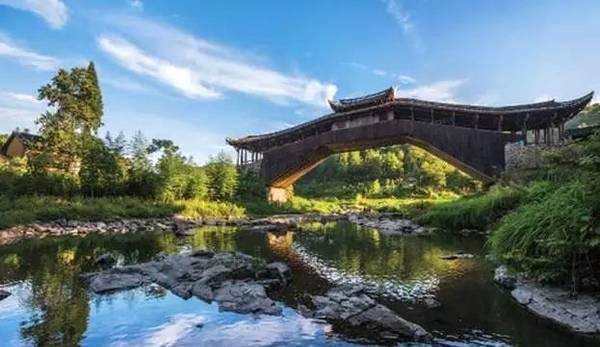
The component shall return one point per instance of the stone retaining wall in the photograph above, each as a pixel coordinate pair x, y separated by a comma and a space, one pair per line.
520, 157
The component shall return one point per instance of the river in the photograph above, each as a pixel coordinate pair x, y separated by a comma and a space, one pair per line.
51, 305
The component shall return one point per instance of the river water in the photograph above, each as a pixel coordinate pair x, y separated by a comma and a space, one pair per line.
51, 306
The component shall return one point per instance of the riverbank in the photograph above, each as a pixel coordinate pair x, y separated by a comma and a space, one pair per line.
15, 211
180, 225
577, 313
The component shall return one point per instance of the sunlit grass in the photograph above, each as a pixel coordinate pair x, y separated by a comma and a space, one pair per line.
474, 212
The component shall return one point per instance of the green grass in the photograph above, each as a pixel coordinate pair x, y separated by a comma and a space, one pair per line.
27, 209
203, 209
473, 212
555, 227
23, 210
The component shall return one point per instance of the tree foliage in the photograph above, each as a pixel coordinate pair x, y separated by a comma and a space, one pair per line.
76, 100
222, 177
392, 171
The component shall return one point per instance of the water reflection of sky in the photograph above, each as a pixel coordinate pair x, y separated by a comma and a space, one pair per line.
134, 318
171, 321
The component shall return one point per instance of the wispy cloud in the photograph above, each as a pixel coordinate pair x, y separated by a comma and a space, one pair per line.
402, 17
125, 83
403, 79
18, 110
133, 58
25, 56
137, 4
199, 68
444, 91
54, 12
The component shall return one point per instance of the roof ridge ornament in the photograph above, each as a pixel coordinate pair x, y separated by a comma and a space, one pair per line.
381, 97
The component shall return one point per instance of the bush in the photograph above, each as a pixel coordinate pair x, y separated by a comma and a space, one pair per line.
556, 234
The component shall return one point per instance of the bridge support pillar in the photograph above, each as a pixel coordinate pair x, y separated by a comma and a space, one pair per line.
278, 195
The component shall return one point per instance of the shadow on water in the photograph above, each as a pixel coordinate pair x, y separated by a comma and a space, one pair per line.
51, 306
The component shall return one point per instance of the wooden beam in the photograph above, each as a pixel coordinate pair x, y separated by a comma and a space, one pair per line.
524, 130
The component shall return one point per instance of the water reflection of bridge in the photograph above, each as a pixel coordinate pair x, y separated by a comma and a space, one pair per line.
470, 137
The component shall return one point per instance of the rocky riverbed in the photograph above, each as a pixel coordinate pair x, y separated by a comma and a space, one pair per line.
241, 283
181, 226
580, 314
387, 223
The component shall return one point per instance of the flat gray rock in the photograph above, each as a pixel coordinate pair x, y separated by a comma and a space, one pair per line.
235, 280
352, 306
581, 314
243, 297
106, 282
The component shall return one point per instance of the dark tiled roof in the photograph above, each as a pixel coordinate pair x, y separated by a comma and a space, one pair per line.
542, 115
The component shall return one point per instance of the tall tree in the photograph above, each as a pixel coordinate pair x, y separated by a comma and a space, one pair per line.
76, 100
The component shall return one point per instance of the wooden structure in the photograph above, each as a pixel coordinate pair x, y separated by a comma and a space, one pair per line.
17, 144
468, 136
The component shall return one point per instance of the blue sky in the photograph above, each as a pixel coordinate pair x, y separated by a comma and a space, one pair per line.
199, 71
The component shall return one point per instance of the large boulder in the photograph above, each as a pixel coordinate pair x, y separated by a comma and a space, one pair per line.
245, 297
238, 282
351, 305
504, 277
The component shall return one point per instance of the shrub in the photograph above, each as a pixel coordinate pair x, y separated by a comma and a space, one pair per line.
556, 234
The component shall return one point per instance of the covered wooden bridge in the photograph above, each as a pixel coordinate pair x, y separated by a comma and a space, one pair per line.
472, 138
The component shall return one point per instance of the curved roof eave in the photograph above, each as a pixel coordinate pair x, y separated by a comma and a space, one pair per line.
550, 105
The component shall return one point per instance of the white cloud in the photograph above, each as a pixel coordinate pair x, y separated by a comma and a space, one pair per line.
403, 79
405, 22
18, 110
177, 328
52, 11
137, 4
444, 91
27, 57
201, 69
179, 77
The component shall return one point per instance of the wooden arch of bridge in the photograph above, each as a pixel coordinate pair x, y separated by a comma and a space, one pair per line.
472, 138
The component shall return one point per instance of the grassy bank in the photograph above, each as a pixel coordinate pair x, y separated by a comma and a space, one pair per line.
474, 212
28, 209
24, 210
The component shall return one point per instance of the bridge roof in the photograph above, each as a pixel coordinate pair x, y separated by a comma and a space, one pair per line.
344, 105
511, 118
